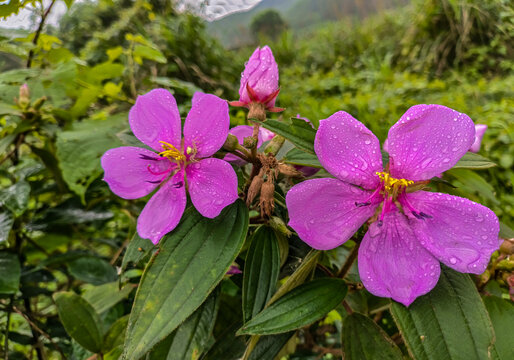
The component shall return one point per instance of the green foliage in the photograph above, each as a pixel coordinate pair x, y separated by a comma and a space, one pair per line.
268, 23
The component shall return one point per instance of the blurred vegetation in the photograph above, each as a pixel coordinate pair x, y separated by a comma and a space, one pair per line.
63, 228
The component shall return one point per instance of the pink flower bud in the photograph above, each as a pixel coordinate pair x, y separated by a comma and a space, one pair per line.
259, 80
24, 92
479, 133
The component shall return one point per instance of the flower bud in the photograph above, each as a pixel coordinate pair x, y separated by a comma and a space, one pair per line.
479, 134
24, 96
288, 170
280, 226
249, 142
267, 200
231, 143
255, 187
259, 80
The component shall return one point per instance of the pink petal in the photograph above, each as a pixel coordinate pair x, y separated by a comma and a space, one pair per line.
164, 210
348, 150
459, 232
206, 127
266, 134
240, 132
133, 172
323, 211
155, 117
428, 140
261, 74
392, 263
212, 186
479, 134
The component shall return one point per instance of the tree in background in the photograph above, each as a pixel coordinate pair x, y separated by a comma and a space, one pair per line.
269, 24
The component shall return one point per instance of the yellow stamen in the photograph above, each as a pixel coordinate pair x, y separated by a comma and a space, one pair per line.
171, 151
392, 184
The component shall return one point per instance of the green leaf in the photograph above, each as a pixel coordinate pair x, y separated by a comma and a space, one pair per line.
116, 334
8, 109
190, 339
505, 231
18, 76
365, 340
92, 269
474, 161
450, 322
302, 158
191, 261
16, 197
105, 296
300, 307
80, 320
11, 272
502, 317
150, 53
137, 249
79, 150
475, 183
261, 270
269, 346
6, 222
298, 131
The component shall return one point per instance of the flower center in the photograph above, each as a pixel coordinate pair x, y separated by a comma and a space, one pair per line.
171, 152
391, 184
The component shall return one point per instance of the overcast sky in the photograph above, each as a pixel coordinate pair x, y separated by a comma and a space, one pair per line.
214, 9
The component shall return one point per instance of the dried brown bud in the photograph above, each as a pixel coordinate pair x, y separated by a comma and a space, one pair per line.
267, 201
288, 170
254, 188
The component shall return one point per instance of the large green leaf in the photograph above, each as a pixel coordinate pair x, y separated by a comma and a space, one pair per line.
302, 306
16, 197
298, 131
6, 222
502, 317
363, 339
260, 272
80, 320
10, 270
79, 150
474, 161
269, 346
190, 339
450, 322
191, 261
302, 158
115, 336
105, 296
92, 269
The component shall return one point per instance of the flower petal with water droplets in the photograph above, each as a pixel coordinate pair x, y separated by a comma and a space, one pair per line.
155, 117
428, 140
164, 210
348, 150
393, 264
133, 172
459, 232
323, 211
207, 123
212, 186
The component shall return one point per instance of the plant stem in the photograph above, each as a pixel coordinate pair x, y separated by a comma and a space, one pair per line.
349, 262
38, 31
8, 323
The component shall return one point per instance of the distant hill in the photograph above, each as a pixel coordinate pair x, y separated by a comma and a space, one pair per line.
233, 30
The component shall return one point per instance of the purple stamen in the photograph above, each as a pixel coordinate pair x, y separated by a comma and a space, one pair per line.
146, 157
178, 185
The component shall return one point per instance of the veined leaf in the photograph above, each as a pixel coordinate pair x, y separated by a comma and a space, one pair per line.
302, 158
11, 272
474, 161
502, 317
191, 261
260, 272
363, 339
450, 322
298, 131
302, 306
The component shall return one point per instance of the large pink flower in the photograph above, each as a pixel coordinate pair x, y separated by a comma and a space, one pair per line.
177, 163
414, 230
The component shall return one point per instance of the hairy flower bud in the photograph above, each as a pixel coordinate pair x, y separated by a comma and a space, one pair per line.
259, 80
288, 170
279, 225
249, 142
267, 201
231, 143
24, 96
255, 187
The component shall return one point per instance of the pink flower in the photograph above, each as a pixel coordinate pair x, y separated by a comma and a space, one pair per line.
177, 163
414, 230
259, 80
479, 134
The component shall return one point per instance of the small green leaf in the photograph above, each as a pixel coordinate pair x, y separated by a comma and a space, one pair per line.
261, 270
105, 296
502, 317
365, 340
116, 334
16, 197
80, 320
298, 131
11, 272
302, 158
474, 161
300, 307
269, 346
92, 269
450, 322
150, 53
506, 231
6, 222
191, 261
137, 249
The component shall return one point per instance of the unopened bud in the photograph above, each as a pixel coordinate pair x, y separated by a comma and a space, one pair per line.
279, 225
39, 102
267, 201
231, 143
24, 96
255, 187
249, 142
288, 170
